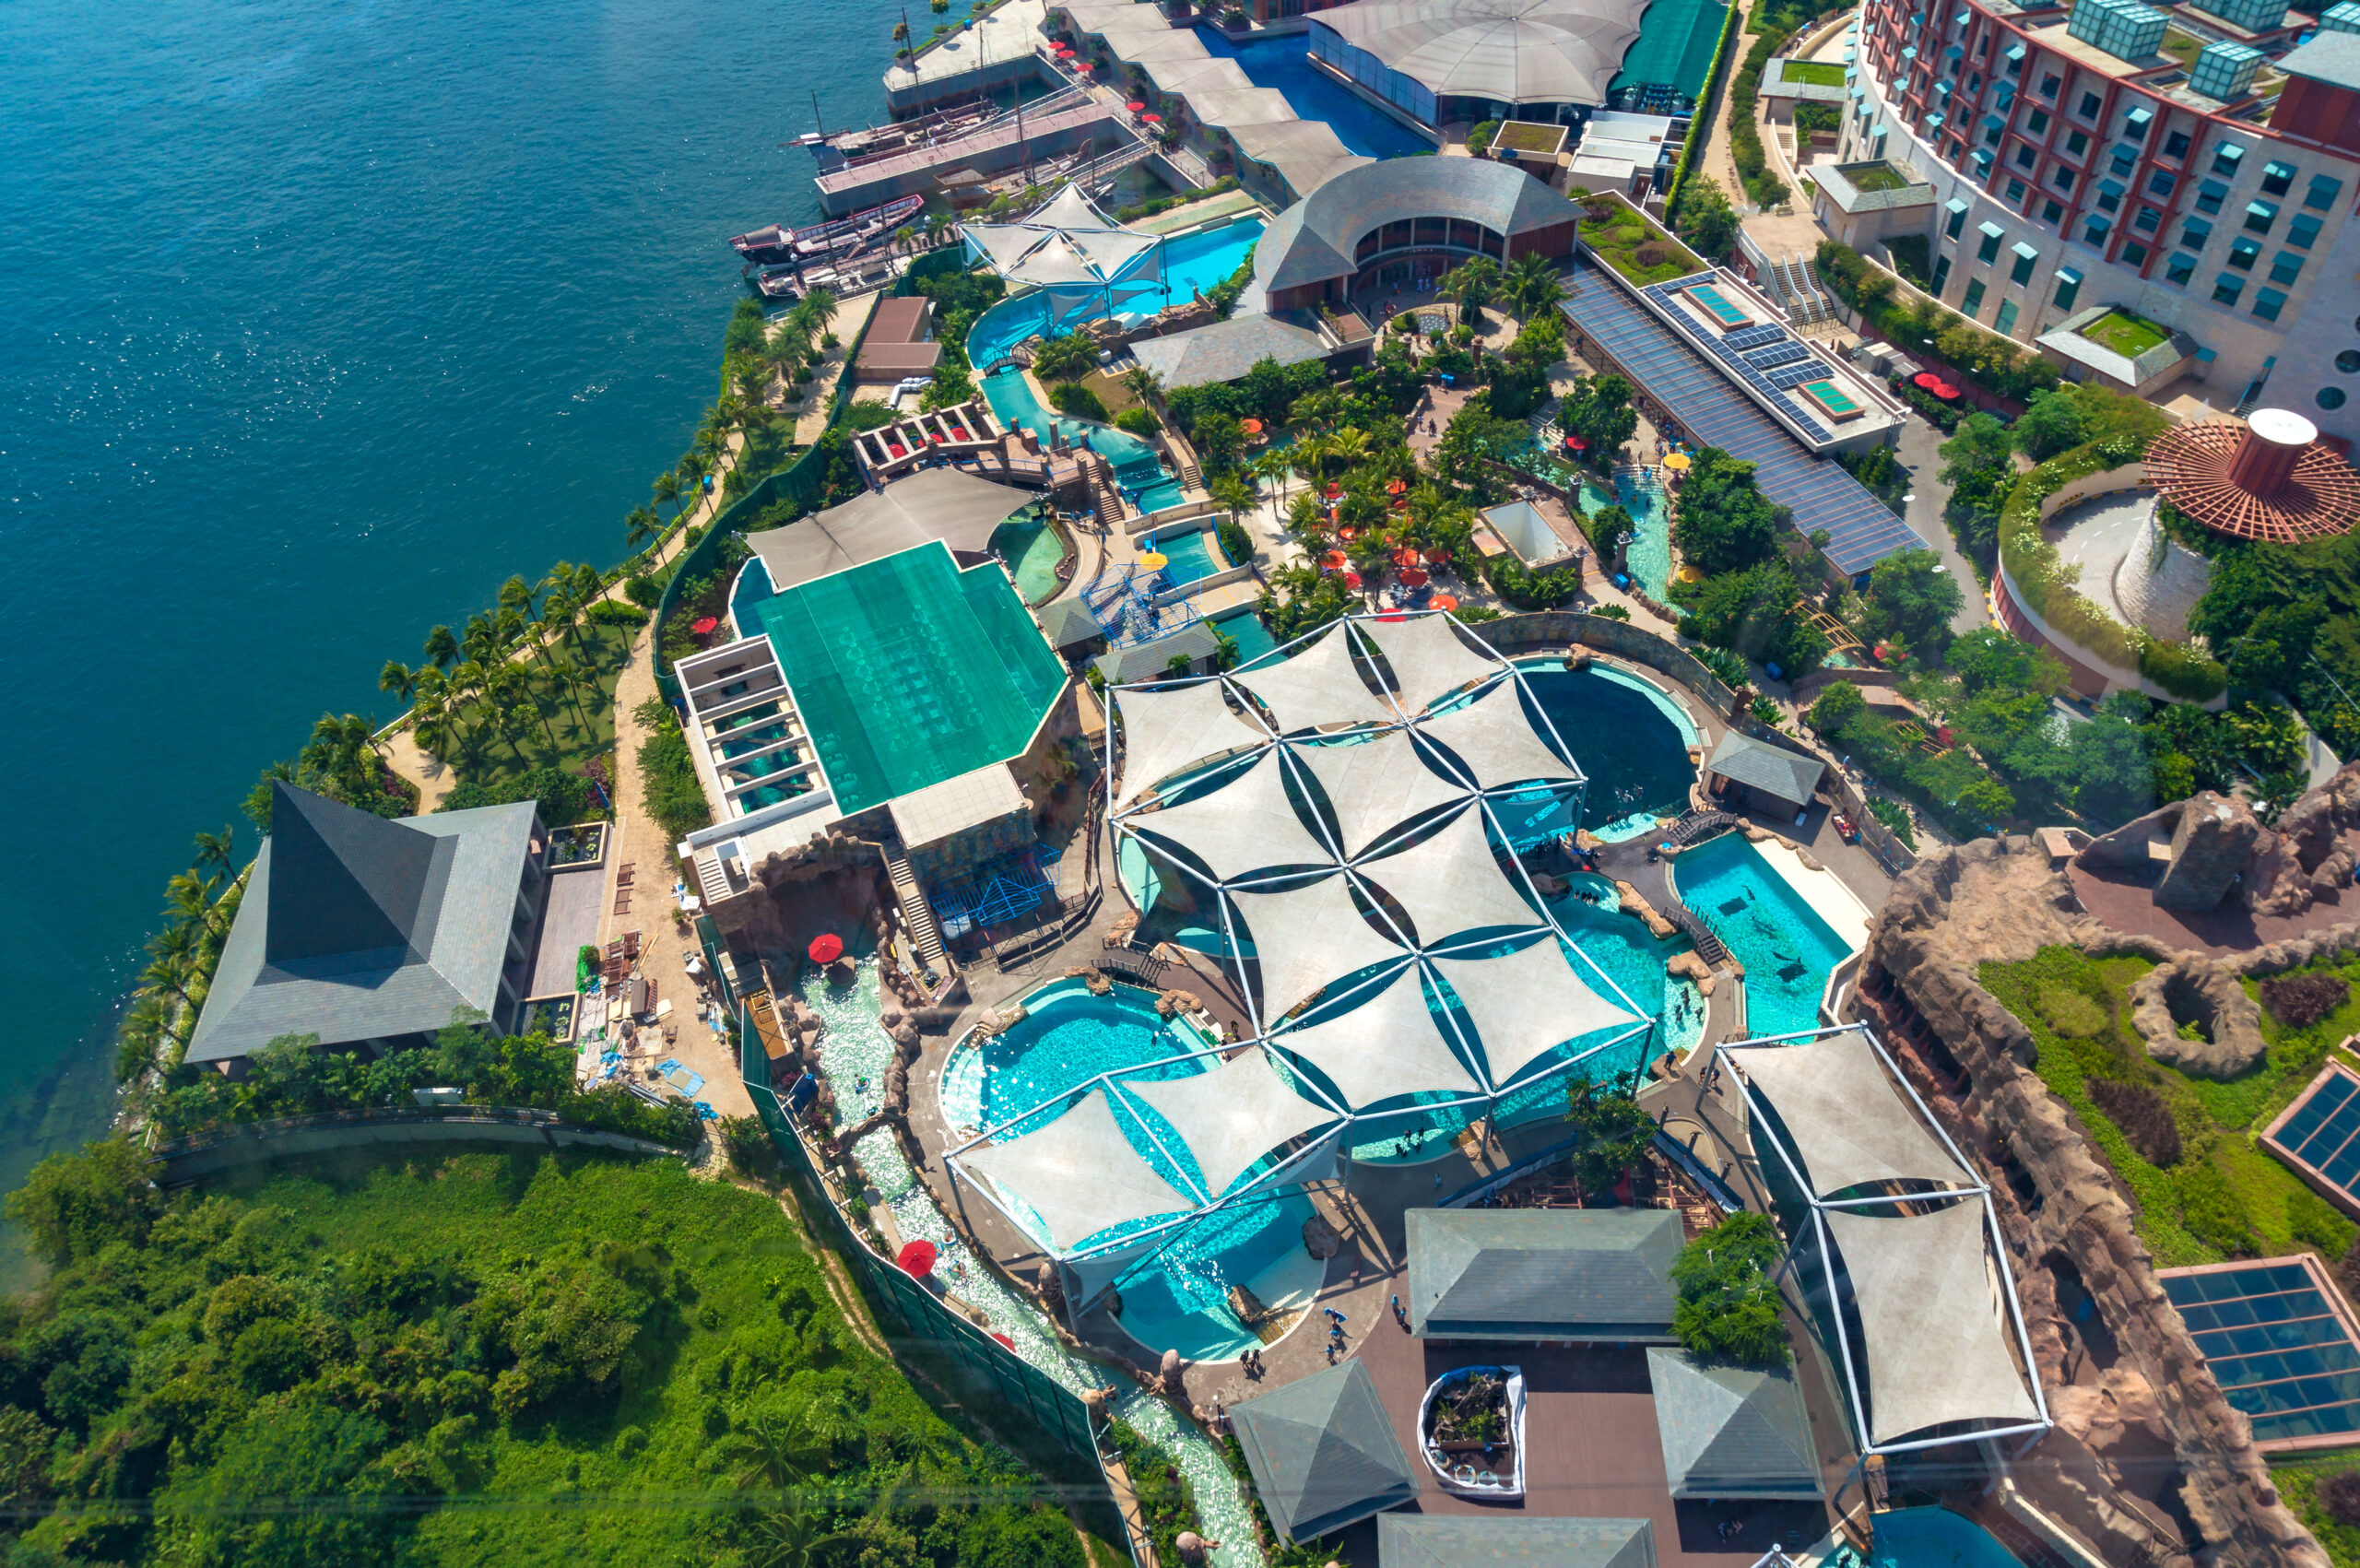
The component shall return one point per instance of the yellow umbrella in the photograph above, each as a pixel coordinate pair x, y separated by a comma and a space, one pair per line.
1154, 558
1676, 462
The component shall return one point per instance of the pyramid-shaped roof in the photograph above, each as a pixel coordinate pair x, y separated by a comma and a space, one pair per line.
356, 928
1449, 1540
1586, 1273
1731, 1432
1323, 1452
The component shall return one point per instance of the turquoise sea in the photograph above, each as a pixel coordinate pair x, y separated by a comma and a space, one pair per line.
321, 320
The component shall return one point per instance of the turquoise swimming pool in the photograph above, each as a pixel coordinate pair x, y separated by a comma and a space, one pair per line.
1246, 628
1180, 1300
1190, 554
1933, 1537
1137, 467
1066, 1038
1193, 265
753, 587
1789, 951
1649, 555
1629, 739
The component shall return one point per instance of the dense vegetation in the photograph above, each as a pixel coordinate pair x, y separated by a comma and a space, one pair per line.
1999, 367
1729, 1307
675, 796
2183, 1146
480, 1359
2286, 619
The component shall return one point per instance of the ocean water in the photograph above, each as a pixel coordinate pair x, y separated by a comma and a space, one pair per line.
322, 319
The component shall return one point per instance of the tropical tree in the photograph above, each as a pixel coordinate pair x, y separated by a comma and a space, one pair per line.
480, 641
668, 492
823, 306
641, 528
1066, 357
936, 223
1143, 383
218, 850
1272, 464
517, 594
397, 678
1233, 493
442, 647
1531, 286
1470, 286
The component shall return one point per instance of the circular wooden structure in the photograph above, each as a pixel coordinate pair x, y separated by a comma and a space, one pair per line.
2270, 480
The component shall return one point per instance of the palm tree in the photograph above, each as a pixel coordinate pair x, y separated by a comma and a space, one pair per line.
1234, 494
1470, 286
667, 490
694, 466
1143, 383
567, 678
174, 950
399, 678
442, 648
1272, 464
641, 529
936, 224
480, 641
1349, 445
218, 850
516, 595
823, 306
1531, 286
432, 726
468, 677
188, 898
1224, 650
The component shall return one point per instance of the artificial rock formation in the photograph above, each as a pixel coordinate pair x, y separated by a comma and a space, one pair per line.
2192, 989
1320, 1239
1998, 899
2222, 853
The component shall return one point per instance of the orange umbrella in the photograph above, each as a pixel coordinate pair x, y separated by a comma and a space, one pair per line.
1405, 555
1334, 561
1414, 577
1250, 427
1348, 535
1441, 602
1396, 486
1437, 556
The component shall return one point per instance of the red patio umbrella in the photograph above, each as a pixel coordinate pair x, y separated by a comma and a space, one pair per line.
826, 947
703, 624
1334, 491
1351, 580
1414, 577
1152, 119
1405, 555
1334, 561
1394, 615
1927, 379
1003, 1338
1944, 391
1135, 106
1437, 556
1576, 444
1348, 535
1250, 427
917, 1259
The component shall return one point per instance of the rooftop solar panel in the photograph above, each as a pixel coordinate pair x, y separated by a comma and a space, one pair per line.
2278, 1344
1793, 376
1754, 337
1777, 355
1861, 529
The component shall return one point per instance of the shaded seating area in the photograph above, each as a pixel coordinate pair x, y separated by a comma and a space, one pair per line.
1322, 1453
1583, 1275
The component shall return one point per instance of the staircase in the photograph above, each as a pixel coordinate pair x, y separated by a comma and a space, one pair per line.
1795, 286
916, 913
1184, 457
1104, 499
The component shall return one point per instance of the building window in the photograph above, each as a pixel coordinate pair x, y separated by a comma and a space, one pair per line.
2303, 231
2225, 290
2096, 232
2330, 397
2089, 106
2006, 320
1974, 300
1941, 273
2076, 145
2016, 189
2208, 195
2037, 122
2260, 216
2026, 156
2225, 158
1989, 249
2134, 255
1990, 136
1956, 221
1974, 83
2322, 192
2267, 303
2109, 196
2285, 268
2194, 232
2180, 268
2243, 254
2135, 124
2146, 220
2020, 272
2126, 158
2049, 86
2052, 213
2277, 178
2175, 146
2159, 185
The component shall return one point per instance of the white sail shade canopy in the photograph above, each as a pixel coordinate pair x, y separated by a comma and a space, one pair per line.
1167, 729
1527, 1002
1843, 1121
1079, 1174
1491, 740
1389, 1044
1231, 1116
1317, 684
1306, 937
1450, 884
1247, 825
1375, 785
1428, 657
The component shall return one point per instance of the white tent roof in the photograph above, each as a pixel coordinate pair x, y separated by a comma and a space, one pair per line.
1936, 1347
1375, 785
1118, 254
1004, 245
1513, 51
1492, 736
1844, 1120
1079, 1174
1428, 657
1069, 209
1450, 884
1316, 685
1231, 1116
1165, 730
1307, 937
1386, 1047
1247, 825
1526, 1003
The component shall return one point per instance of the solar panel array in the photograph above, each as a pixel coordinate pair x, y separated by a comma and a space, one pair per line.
1750, 337
1861, 529
1781, 354
2319, 1129
1798, 376
2275, 1345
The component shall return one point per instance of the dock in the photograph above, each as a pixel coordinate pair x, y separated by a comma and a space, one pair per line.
1074, 122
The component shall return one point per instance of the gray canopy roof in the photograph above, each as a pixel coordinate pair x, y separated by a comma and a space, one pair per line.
1067, 623
1589, 1274
354, 927
1773, 769
1510, 50
1844, 1123
1323, 1452
1731, 1432
1227, 349
1314, 238
934, 503
1446, 1540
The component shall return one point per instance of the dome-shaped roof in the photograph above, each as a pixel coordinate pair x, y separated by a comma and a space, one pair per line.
1314, 238
1513, 51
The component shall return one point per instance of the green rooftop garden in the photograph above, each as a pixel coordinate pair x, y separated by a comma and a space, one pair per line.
1628, 240
1875, 176
1518, 135
2125, 334
1812, 73
2181, 46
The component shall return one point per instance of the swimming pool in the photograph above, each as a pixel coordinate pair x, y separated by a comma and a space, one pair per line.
1283, 63
1190, 554
1179, 1300
1788, 949
1934, 1538
753, 587
1629, 739
1193, 265
1648, 558
1137, 467
1067, 1037
1033, 550
1246, 628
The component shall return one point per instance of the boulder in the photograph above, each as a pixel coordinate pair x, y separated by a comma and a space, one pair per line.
1321, 1239
1173, 1004
1633, 904
2212, 848
1245, 1306
2192, 989
1547, 886
1578, 659
1052, 1288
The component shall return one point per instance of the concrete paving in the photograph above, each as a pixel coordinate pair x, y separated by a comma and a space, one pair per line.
1929, 498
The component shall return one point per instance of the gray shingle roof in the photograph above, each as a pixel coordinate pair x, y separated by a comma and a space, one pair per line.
1314, 238
1145, 661
933, 503
1731, 1432
1772, 769
1227, 349
354, 927
1323, 1452
1068, 621
1588, 1274
1441, 1541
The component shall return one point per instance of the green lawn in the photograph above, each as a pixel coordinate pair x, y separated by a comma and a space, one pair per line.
1519, 137
2180, 46
1869, 177
568, 727
2126, 335
2296, 1476
2224, 1196
1812, 73
1619, 238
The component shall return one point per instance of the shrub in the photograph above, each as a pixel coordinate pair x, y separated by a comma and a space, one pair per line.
1479, 140
1612, 612
1729, 1305
675, 798
2143, 1117
563, 797
2339, 1494
1838, 706
617, 612
1405, 322
1138, 422
2299, 1001
2314, 1221
1235, 543
643, 591
1078, 402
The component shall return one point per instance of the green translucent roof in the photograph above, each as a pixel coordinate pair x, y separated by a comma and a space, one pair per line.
909, 671
1675, 46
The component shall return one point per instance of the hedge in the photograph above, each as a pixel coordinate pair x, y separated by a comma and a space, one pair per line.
1998, 366
2048, 586
1701, 125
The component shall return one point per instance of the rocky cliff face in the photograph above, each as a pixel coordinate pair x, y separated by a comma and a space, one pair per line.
2130, 1388
2222, 853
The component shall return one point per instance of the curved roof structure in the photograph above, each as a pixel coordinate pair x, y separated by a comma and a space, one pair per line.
1513, 51
2311, 494
1314, 238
